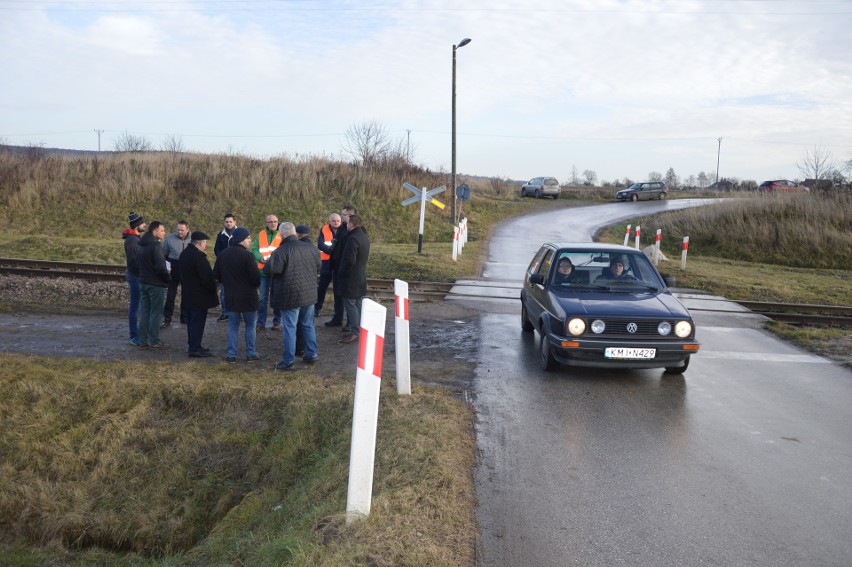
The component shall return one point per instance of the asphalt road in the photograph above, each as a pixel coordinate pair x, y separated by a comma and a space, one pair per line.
745, 460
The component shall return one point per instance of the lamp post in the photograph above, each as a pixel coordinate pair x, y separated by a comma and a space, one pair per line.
462, 43
718, 155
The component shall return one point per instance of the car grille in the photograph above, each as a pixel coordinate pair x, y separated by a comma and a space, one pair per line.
618, 328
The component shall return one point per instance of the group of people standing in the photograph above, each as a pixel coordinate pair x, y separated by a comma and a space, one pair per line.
281, 268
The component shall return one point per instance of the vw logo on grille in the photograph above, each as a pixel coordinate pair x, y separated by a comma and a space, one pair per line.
632, 327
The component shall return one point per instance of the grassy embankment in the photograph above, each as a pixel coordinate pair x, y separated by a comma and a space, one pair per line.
784, 248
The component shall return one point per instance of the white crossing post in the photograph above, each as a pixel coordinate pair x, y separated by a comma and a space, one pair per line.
637, 237
627, 235
365, 416
657, 246
683, 253
403, 345
456, 243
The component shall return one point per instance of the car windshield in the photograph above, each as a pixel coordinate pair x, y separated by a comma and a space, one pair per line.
635, 186
604, 270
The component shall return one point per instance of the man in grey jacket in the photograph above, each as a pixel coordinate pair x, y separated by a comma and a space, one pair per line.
173, 247
293, 267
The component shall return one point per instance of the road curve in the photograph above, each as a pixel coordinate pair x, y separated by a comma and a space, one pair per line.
746, 460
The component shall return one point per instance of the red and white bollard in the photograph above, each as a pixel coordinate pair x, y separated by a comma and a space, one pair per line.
365, 416
657, 246
403, 345
627, 235
463, 238
637, 236
456, 243
683, 253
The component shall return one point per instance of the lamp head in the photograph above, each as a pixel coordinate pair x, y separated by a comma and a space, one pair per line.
463, 42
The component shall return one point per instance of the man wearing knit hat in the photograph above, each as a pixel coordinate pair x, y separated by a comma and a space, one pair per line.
198, 292
131, 274
236, 269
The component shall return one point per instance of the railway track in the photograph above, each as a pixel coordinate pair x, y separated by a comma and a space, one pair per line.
376, 288
792, 313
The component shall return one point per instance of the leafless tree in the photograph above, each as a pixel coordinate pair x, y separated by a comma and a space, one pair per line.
367, 142
173, 143
575, 178
655, 176
590, 177
128, 142
817, 164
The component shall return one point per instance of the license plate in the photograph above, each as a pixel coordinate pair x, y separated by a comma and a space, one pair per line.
630, 353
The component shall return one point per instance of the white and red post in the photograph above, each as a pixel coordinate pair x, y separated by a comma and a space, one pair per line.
627, 235
463, 238
456, 242
637, 237
403, 345
366, 412
657, 246
683, 253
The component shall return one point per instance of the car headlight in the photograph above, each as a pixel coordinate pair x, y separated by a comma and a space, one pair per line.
683, 329
598, 326
576, 327
664, 328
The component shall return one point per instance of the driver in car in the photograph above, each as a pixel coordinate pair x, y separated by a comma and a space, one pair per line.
565, 272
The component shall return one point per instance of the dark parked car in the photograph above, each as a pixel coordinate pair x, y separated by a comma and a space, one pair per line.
781, 185
643, 191
540, 187
602, 314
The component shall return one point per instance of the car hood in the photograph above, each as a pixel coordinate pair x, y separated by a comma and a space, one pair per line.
620, 304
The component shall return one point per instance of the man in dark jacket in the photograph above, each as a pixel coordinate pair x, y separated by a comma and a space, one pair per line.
324, 244
336, 255
237, 270
353, 275
293, 268
198, 292
153, 280
223, 240
131, 274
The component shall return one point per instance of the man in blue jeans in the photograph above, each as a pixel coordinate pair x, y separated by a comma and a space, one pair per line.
131, 241
267, 241
293, 269
153, 280
236, 269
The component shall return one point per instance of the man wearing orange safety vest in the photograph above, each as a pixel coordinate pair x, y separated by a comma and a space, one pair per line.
325, 242
263, 246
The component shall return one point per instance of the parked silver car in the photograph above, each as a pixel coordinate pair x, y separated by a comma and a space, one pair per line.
643, 191
540, 187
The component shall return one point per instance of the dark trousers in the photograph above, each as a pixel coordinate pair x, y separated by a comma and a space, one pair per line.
171, 294
322, 289
196, 319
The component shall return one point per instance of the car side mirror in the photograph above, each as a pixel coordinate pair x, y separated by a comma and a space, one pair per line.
670, 280
537, 279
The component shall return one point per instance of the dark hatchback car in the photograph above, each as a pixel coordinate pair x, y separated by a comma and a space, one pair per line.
781, 185
644, 191
602, 314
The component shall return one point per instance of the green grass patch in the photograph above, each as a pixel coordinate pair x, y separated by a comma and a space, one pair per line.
176, 464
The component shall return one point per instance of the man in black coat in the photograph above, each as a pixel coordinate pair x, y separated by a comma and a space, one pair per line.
293, 268
353, 275
336, 256
237, 270
223, 240
198, 292
153, 280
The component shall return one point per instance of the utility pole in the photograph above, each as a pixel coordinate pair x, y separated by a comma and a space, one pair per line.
718, 154
407, 144
99, 132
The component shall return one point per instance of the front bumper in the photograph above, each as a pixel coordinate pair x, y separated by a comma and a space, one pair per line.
589, 352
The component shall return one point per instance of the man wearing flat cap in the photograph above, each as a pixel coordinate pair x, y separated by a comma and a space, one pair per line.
198, 292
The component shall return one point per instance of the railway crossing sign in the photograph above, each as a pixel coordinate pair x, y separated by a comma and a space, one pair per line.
419, 195
422, 195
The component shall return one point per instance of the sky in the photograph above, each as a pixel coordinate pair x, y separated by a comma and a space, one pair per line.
619, 87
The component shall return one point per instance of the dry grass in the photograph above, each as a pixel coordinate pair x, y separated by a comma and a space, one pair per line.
110, 463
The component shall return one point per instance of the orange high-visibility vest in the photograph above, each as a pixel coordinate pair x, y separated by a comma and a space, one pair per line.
266, 248
327, 236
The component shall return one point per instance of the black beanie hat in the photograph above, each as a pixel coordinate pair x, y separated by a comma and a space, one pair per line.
239, 235
135, 219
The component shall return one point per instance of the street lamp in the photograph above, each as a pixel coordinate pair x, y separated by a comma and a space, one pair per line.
462, 43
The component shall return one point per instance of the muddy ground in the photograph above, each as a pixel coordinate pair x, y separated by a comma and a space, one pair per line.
74, 318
